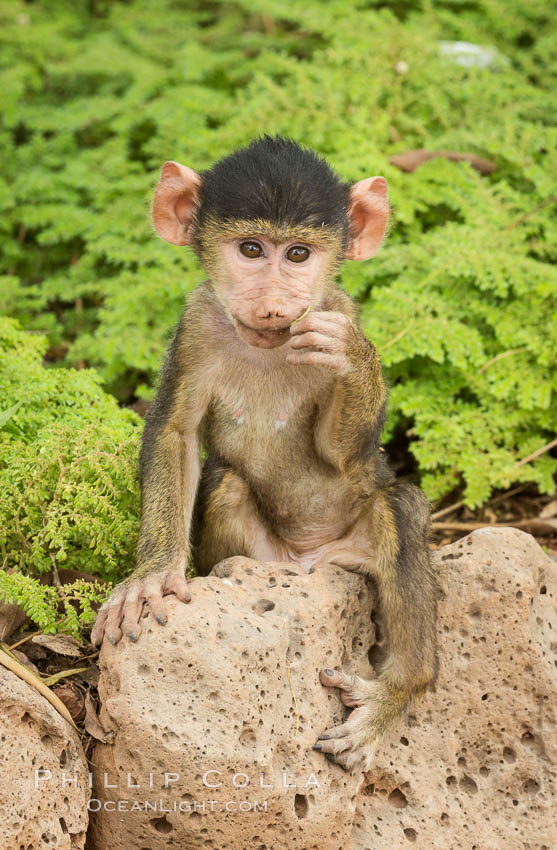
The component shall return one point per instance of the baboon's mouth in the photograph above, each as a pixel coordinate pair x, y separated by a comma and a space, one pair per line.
263, 337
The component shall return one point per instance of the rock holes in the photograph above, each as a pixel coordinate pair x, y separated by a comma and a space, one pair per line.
468, 785
531, 787
528, 739
397, 799
247, 737
301, 805
509, 754
161, 825
410, 834
262, 606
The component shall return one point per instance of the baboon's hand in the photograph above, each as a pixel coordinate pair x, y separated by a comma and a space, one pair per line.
324, 338
352, 745
121, 612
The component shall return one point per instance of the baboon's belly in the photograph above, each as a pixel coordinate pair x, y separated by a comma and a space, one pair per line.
298, 494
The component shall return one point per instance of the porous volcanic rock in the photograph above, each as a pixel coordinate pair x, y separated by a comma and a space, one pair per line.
215, 693
218, 689
474, 766
48, 810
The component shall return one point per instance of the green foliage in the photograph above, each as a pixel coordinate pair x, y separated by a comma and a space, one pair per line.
67, 609
68, 483
461, 301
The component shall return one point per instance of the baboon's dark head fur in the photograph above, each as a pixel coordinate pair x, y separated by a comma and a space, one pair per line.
276, 182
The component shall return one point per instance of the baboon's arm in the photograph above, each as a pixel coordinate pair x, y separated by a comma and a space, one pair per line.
350, 421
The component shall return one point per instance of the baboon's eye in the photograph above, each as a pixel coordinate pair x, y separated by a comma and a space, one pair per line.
251, 249
297, 254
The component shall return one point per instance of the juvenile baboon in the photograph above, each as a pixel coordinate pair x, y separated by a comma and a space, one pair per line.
271, 374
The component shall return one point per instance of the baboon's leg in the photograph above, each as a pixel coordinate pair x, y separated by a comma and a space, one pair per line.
227, 522
396, 525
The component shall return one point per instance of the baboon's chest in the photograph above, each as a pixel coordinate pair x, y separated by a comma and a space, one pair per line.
267, 422
265, 429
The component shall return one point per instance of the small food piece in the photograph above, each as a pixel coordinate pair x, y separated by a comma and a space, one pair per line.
306, 311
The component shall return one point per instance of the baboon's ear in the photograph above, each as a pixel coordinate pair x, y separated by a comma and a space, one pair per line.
175, 201
368, 213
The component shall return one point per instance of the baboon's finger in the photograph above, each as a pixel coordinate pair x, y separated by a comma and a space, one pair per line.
112, 629
132, 612
157, 606
337, 679
178, 584
334, 746
337, 731
97, 632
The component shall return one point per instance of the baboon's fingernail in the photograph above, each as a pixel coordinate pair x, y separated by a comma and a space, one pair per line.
112, 639
329, 672
160, 619
317, 747
324, 738
132, 636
